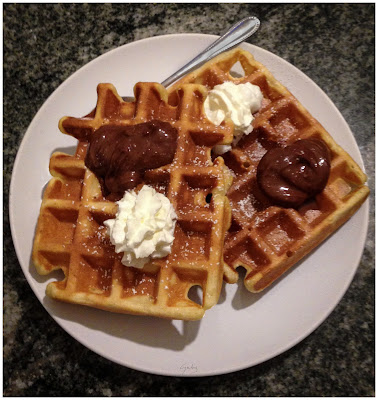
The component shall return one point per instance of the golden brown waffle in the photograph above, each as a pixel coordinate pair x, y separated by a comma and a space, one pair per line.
263, 238
71, 235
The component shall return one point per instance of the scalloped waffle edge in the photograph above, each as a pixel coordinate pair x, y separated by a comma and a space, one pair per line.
70, 234
265, 239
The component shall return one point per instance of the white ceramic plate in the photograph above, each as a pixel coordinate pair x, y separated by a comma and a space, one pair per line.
244, 329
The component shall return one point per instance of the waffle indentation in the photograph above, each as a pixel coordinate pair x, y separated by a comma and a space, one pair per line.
193, 241
248, 252
194, 192
139, 283
62, 220
55, 259
288, 120
182, 280
158, 179
280, 231
257, 143
93, 232
69, 189
97, 272
316, 210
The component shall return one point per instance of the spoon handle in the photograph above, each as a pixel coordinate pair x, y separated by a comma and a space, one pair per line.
236, 34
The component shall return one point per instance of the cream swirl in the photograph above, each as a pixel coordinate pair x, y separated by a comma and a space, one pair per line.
143, 227
237, 102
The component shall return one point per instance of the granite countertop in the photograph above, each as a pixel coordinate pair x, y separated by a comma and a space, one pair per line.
43, 45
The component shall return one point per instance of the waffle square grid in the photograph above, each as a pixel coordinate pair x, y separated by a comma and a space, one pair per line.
263, 238
71, 236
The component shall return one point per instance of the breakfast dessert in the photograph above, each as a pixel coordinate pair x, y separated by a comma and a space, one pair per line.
154, 159
180, 187
292, 186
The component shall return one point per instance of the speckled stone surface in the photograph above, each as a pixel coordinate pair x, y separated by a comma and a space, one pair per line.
44, 45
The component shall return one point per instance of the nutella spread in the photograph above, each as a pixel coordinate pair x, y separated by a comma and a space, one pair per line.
119, 155
292, 174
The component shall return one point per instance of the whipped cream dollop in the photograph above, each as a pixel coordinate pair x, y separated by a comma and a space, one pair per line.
237, 102
143, 227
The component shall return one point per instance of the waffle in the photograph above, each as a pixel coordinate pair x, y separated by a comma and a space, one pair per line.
71, 235
263, 238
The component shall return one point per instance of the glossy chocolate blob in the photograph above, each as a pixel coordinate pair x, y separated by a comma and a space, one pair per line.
290, 175
119, 155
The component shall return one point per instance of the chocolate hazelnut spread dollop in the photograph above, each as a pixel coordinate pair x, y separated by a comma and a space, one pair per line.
119, 155
290, 175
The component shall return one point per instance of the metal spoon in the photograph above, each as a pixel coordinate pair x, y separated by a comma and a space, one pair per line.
236, 34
